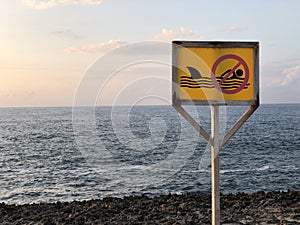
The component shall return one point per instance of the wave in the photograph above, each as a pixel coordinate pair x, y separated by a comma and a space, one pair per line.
206, 82
197, 86
257, 169
195, 82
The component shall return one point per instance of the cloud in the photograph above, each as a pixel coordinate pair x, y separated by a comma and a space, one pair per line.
66, 33
233, 29
45, 4
183, 34
102, 47
291, 74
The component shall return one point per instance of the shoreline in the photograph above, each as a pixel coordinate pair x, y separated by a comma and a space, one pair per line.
276, 207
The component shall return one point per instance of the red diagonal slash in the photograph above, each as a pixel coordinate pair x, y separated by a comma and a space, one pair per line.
230, 72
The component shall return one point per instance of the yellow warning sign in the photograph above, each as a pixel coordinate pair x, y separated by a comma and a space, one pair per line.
225, 73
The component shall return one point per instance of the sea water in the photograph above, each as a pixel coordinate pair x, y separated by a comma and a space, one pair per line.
65, 154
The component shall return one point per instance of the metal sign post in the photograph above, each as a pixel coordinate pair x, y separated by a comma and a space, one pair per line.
215, 165
215, 74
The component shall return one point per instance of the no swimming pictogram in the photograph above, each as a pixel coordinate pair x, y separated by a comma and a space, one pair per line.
234, 79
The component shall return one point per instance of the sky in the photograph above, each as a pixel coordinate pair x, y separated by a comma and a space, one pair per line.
48, 48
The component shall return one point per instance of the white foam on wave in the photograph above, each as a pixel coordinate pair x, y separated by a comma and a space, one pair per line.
266, 167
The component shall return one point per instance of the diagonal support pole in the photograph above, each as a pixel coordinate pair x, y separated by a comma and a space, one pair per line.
193, 122
238, 124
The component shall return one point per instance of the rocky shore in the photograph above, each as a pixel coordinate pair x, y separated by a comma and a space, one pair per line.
256, 208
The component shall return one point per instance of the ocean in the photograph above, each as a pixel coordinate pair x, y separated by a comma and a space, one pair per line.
65, 154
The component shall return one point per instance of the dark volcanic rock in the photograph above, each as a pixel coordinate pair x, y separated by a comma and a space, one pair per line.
258, 208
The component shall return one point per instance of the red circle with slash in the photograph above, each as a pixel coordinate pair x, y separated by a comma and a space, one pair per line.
240, 61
